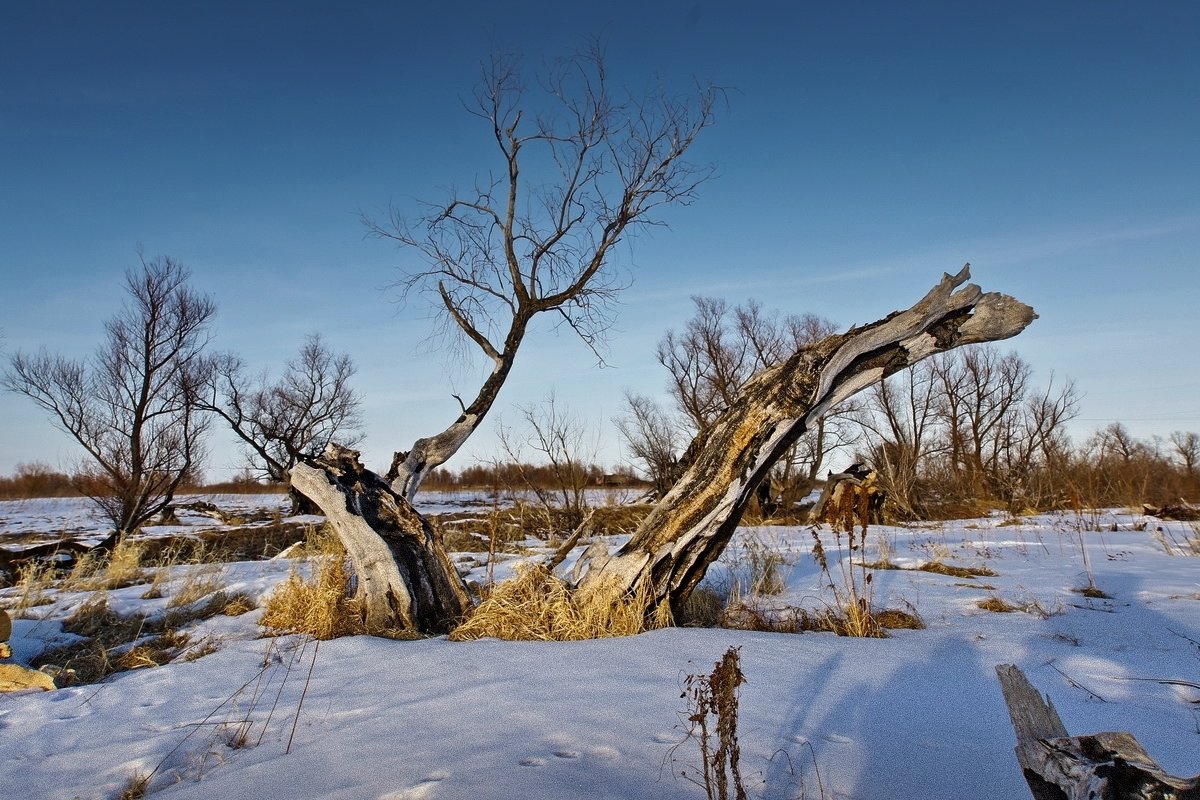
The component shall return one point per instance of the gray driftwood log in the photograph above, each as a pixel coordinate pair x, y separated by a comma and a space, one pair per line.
1102, 766
405, 578
692, 524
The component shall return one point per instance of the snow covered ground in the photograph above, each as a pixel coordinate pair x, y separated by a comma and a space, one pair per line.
916, 715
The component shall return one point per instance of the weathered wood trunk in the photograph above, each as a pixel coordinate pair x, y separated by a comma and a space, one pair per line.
405, 578
691, 526
1103, 766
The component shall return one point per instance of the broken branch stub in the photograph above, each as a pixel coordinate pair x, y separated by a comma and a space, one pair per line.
691, 525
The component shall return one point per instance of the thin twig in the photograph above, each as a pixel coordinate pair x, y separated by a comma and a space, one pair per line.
300, 705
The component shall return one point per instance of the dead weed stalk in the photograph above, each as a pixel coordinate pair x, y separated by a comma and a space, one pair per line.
712, 716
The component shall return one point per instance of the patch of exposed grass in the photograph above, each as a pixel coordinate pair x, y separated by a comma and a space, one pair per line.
900, 619
940, 568
537, 606
704, 608
1093, 591
199, 582
114, 643
136, 787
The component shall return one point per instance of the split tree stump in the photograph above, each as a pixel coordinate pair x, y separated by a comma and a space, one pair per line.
1102, 766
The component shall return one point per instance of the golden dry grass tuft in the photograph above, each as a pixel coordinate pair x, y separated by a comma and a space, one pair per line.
537, 606
319, 605
996, 604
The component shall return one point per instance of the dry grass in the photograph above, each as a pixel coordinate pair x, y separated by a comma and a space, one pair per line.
939, 568
536, 606
97, 571
33, 581
997, 604
895, 619
114, 643
136, 788
202, 581
319, 605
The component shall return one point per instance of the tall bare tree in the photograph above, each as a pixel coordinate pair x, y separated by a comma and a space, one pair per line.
133, 407
654, 437
579, 170
281, 421
1187, 446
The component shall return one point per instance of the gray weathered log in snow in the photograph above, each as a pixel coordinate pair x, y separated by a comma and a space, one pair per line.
406, 580
690, 527
1102, 766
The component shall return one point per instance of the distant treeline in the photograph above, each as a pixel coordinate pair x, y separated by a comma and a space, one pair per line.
540, 476
40, 480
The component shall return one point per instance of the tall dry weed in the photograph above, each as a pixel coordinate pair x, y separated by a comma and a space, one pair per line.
712, 709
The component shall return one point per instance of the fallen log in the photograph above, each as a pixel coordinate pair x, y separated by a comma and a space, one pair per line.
1101, 766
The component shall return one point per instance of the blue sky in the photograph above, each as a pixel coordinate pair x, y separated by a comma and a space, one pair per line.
866, 148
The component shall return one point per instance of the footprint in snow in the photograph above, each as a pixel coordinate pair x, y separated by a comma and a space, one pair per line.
566, 754
836, 739
665, 738
422, 791
532, 762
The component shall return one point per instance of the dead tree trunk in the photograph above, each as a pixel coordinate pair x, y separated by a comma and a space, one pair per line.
1103, 766
406, 580
692, 524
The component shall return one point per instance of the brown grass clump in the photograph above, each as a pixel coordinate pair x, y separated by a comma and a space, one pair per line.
318, 606
939, 568
536, 606
996, 604
704, 608
895, 619
136, 788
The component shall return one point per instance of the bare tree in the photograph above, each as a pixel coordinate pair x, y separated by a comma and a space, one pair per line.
900, 421
1187, 447
580, 170
716, 353
279, 422
982, 394
654, 438
563, 447
133, 407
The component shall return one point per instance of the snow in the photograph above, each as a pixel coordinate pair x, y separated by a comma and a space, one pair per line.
916, 715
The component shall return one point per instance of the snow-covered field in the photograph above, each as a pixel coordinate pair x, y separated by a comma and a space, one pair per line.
916, 715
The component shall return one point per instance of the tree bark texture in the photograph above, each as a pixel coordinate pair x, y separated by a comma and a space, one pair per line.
690, 527
406, 580
1102, 766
